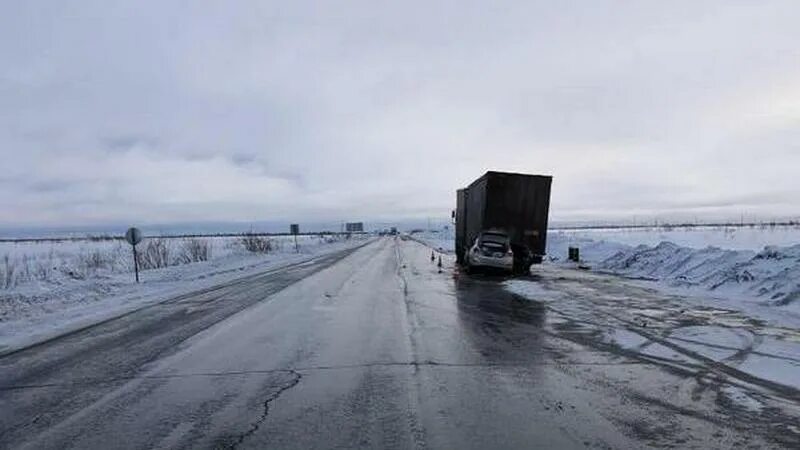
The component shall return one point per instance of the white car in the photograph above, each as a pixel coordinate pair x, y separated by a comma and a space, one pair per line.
491, 249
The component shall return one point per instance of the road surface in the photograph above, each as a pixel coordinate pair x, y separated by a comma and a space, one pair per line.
372, 348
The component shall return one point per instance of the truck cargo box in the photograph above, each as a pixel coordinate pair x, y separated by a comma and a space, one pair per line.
517, 204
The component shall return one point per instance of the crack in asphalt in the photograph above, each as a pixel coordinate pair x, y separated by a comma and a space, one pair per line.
415, 364
21, 425
411, 316
265, 414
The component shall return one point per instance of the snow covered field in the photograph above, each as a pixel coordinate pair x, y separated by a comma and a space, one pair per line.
49, 287
42, 264
733, 238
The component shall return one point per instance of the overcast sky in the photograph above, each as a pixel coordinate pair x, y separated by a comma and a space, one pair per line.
240, 111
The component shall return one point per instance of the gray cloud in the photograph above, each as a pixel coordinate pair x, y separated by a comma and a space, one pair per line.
125, 143
172, 111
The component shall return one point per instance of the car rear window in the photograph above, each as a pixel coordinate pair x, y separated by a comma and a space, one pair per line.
494, 238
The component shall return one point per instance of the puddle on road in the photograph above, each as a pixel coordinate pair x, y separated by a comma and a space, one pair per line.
487, 296
503, 327
606, 312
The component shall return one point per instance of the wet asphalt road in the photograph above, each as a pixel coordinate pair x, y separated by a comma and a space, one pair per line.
373, 348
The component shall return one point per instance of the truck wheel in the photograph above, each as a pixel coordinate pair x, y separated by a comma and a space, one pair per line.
522, 266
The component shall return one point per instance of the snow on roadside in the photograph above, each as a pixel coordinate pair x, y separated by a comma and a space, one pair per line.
442, 240
737, 276
770, 277
37, 310
591, 249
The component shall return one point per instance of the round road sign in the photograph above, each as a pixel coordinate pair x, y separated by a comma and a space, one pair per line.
133, 236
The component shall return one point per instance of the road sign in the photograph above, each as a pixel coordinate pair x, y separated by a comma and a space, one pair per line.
134, 236
355, 227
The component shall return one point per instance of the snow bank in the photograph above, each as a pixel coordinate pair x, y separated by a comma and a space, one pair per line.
38, 306
772, 275
740, 270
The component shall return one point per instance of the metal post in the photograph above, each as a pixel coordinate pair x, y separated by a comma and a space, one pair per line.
135, 263
296, 247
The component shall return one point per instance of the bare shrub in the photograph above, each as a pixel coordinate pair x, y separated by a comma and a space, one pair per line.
154, 254
194, 250
86, 264
26, 268
93, 260
100, 237
8, 270
255, 243
42, 271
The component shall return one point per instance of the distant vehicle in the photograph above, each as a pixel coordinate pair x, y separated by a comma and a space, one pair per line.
503, 204
393, 231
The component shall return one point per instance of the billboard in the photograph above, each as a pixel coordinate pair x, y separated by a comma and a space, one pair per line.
354, 227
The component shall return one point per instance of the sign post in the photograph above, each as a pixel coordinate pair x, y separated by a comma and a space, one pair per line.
134, 236
295, 230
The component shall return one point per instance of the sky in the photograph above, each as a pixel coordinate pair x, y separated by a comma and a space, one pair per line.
200, 111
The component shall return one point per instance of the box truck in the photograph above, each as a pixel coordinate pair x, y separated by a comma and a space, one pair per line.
501, 221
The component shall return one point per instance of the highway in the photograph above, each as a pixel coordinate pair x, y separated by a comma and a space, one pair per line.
377, 347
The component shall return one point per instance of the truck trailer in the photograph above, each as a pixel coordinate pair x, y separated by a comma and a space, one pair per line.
500, 203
